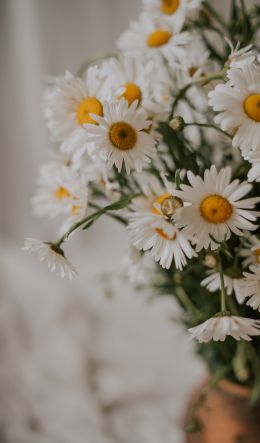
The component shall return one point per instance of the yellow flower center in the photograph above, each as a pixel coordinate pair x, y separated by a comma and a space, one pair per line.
89, 105
123, 136
169, 7
158, 38
62, 193
132, 93
252, 107
215, 209
163, 234
257, 255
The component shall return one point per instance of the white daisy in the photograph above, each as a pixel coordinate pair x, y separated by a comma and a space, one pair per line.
251, 251
133, 79
150, 39
52, 255
151, 229
68, 105
170, 11
213, 284
120, 136
60, 191
240, 57
213, 208
238, 105
219, 327
251, 285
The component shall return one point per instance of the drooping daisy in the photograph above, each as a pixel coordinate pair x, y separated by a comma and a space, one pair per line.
151, 229
251, 286
240, 57
251, 251
214, 207
133, 79
68, 105
51, 254
150, 39
219, 327
60, 191
238, 105
213, 284
120, 136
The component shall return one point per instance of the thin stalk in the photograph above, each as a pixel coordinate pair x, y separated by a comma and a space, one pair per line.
223, 294
185, 300
208, 125
203, 79
109, 214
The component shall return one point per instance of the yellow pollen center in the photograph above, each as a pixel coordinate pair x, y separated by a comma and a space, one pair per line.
169, 7
163, 234
215, 209
252, 107
132, 93
123, 136
89, 105
158, 38
257, 255
62, 193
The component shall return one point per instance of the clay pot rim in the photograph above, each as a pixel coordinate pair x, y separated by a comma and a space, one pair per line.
234, 388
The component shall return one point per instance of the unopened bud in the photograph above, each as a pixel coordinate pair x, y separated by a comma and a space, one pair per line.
177, 123
211, 261
170, 205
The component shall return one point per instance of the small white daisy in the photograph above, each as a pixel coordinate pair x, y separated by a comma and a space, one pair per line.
170, 11
213, 284
133, 79
219, 327
151, 229
213, 208
150, 39
251, 251
251, 285
120, 136
52, 255
60, 191
238, 105
240, 57
67, 107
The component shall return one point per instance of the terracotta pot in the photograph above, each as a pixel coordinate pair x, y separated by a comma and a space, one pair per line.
226, 416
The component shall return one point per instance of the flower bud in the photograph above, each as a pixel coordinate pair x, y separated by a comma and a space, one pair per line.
170, 204
211, 261
177, 123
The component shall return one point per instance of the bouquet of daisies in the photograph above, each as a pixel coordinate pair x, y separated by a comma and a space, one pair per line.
164, 136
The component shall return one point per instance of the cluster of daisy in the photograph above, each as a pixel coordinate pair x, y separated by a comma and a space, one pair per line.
142, 131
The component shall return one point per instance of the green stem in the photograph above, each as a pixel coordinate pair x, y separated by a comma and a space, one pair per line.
215, 14
203, 79
114, 216
185, 300
92, 60
120, 204
208, 125
223, 295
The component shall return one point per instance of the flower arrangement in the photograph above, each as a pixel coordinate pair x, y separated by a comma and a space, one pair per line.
164, 137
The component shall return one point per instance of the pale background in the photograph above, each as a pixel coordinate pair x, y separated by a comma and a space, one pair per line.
75, 365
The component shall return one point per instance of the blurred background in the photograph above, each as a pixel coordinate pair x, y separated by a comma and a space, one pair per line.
79, 362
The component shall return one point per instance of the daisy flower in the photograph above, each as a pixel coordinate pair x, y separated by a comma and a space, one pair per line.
151, 229
213, 284
251, 251
238, 105
251, 285
240, 57
51, 254
60, 191
219, 327
120, 137
170, 11
132, 79
67, 107
213, 207
150, 39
